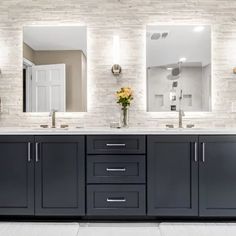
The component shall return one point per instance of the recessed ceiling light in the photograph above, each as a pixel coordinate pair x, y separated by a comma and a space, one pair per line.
182, 59
198, 28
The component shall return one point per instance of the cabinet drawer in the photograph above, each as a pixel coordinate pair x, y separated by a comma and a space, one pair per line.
116, 200
115, 144
116, 169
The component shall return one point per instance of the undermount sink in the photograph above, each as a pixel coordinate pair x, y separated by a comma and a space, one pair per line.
50, 129
184, 129
188, 126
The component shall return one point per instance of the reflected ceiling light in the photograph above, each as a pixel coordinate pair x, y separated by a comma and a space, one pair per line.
169, 68
182, 59
199, 28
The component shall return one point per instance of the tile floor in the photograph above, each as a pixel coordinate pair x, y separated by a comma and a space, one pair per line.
117, 229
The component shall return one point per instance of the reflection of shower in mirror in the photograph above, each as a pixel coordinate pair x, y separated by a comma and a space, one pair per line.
175, 70
180, 61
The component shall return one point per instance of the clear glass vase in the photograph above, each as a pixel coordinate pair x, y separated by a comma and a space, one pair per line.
124, 117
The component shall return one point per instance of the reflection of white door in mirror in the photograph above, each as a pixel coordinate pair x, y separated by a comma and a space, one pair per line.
48, 88
44, 48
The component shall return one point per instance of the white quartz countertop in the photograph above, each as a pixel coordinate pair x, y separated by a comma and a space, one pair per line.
114, 131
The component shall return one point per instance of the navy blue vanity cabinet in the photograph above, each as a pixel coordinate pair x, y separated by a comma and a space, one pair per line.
217, 176
16, 175
116, 175
60, 175
172, 170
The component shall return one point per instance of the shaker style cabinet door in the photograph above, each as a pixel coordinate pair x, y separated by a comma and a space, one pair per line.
217, 176
16, 175
60, 177
172, 167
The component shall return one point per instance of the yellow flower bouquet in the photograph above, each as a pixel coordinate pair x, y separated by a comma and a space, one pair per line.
124, 98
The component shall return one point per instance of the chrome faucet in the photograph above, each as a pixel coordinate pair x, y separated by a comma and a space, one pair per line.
181, 112
53, 115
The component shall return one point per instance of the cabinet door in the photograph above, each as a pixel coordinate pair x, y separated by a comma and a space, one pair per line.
172, 175
60, 181
217, 176
16, 175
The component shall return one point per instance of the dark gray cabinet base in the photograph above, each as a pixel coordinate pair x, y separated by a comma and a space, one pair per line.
118, 177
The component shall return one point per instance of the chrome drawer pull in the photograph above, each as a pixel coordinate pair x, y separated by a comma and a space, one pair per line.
203, 152
29, 152
36, 152
195, 152
116, 200
115, 144
118, 169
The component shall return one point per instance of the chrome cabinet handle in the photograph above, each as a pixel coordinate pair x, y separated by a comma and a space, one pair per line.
195, 152
203, 152
116, 200
29, 152
115, 169
36, 152
115, 144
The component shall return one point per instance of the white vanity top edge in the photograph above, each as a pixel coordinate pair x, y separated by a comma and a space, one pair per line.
113, 131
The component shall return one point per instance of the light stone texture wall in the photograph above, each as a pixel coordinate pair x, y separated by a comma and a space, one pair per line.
128, 18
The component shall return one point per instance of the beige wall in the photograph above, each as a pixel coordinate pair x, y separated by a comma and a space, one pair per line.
74, 74
28, 52
84, 81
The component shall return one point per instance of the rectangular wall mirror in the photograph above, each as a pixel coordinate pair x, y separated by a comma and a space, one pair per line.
178, 64
55, 68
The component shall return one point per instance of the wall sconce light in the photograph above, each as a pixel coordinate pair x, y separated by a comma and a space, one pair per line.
116, 68
234, 70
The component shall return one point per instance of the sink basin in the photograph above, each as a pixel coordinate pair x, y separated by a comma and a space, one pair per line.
184, 129
187, 127
50, 129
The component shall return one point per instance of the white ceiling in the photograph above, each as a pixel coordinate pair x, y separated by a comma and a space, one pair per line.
56, 37
182, 41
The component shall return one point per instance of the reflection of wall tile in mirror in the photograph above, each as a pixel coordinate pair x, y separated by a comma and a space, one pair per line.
187, 100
